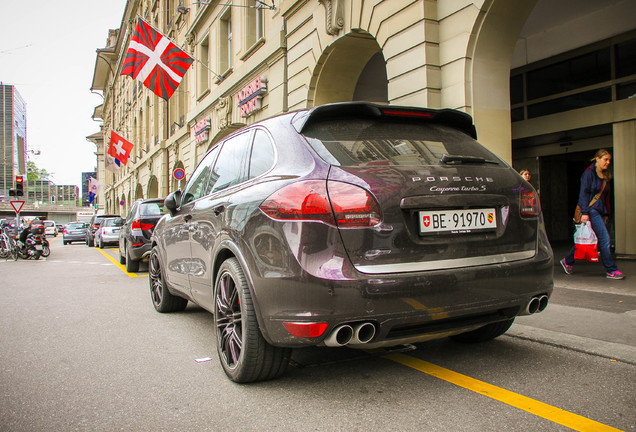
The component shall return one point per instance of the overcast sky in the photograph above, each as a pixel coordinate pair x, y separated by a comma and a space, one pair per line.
47, 50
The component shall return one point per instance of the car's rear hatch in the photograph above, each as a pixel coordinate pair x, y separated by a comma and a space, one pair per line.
445, 201
148, 215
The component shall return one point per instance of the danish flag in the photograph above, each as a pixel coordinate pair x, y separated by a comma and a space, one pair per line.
155, 60
119, 148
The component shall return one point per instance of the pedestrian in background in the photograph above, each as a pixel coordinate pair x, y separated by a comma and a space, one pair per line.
525, 174
596, 179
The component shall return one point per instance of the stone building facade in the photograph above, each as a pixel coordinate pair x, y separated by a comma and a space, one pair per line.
256, 59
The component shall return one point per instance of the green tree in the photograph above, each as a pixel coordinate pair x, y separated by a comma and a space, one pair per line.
35, 173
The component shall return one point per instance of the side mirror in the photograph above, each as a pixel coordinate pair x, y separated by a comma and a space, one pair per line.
173, 201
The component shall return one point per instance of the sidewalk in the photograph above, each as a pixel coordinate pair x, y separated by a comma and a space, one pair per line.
587, 312
591, 276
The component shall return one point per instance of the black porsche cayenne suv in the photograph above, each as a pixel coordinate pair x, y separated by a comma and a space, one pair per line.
351, 224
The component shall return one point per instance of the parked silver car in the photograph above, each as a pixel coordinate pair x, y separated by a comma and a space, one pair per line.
74, 232
108, 232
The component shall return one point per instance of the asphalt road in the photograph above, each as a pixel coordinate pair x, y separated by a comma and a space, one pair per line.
82, 349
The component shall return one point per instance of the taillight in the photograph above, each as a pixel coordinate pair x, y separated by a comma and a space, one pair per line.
139, 225
305, 329
65, 232
334, 203
529, 204
353, 206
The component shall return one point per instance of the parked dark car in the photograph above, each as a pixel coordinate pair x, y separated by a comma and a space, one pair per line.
351, 224
134, 237
74, 232
94, 224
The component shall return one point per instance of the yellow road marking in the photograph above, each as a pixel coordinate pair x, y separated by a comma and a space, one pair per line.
554, 414
121, 267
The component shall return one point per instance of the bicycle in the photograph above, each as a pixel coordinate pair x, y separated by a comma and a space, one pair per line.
7, 246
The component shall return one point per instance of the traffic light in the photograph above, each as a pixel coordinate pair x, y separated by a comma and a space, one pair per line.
19, 185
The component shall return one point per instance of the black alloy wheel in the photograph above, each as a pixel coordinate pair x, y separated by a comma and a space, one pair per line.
46, 251
243, 352
131, 266
162, 299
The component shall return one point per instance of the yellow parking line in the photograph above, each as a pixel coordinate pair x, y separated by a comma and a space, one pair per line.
121, 267
556, 415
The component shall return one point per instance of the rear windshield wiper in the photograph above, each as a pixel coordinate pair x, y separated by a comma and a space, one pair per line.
458, 159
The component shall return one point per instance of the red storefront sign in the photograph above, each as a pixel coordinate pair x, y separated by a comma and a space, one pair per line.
248, 99
201, 130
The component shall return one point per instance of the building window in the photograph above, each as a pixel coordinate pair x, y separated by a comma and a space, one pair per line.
203, 75
626, 58
254, 23
568, 75
593, 77
225, 43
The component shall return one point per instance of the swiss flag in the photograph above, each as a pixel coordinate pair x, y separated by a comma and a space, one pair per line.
119, 148
155, 60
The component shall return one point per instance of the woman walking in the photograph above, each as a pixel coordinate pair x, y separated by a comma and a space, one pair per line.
594, 203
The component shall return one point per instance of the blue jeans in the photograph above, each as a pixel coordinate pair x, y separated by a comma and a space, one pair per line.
603, 246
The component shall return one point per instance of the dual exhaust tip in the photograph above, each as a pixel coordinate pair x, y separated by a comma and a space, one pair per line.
537, 304
351, 334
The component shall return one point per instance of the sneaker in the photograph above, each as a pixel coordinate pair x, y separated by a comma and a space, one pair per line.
616, 275
568, 268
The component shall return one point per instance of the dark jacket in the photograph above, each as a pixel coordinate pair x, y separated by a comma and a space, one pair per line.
591, 184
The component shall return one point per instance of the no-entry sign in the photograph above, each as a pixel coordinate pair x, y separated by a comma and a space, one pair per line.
17, 206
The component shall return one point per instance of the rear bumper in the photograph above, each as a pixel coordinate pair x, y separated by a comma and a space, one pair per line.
404, 307
110, 239
139, 253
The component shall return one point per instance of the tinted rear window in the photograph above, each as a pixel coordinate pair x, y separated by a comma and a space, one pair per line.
152, 209
355, 142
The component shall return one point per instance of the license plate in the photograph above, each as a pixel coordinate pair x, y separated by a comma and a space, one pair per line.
457, 221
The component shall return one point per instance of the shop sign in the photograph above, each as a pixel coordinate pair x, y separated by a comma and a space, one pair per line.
248, 99
201, 130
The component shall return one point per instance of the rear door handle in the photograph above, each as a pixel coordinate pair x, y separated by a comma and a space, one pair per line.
219, 209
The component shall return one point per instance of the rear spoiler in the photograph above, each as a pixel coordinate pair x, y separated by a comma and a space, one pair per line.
456, 119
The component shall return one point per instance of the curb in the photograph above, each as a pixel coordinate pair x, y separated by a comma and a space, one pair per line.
609, 350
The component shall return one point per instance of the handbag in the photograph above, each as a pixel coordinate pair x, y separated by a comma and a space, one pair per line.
585, 242
577, 211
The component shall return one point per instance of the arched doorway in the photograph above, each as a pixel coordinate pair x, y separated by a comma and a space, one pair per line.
352, 68
153, 188
139, 192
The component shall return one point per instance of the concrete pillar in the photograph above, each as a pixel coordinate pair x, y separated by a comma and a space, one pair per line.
495, 39
624, 160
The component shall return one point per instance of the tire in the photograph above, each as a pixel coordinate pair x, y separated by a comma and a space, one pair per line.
46, 251
122, 260
36, 255
485, 333
162, 299
64, 243
14, 251
100, 244
131, 266
243, 352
